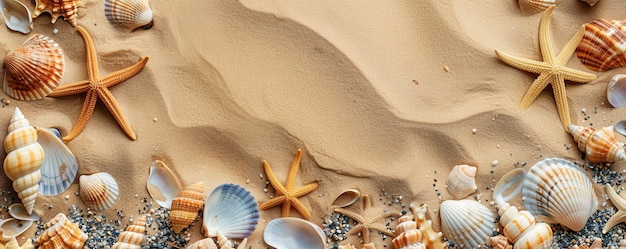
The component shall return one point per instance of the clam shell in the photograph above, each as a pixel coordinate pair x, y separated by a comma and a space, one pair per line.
99, 191
129, 14
602, 47
616, 91
230, 210
466, 222
57, 8
557, 191
60, 233
535, 6
134, 235
186, 205
59, 167
13, 227
163, 185
34, 69
461, 181
347, 197
16, 15
12, 244
18, 211
291, 232
599, 145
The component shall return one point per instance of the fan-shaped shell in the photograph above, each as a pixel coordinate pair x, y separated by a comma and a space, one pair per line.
461, 181
534, 6
13, 227
616, 91
60, 233
12, 244
599, 145
186, 206
557, 191
466, 222
56, 8
24, 158
602, 47
163, 185
292, 232
129, 14
99, 191
34, 69
59, 167
133, 236
16, 15
407, 235
230, 210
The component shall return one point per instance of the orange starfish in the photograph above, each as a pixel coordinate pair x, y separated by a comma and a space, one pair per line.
287, 195
365, 225
97, 87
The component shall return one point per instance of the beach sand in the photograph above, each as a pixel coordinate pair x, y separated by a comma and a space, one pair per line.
385, 97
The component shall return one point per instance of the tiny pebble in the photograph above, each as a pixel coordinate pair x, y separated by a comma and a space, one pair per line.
474, 131
55, 31
494, 163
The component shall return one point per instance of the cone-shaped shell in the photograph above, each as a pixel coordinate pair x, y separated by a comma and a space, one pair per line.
535, 6
24, 158
134, 235
33, 70
186, 206
99, 191
557, 191
407, 235
602, 46
57, 8
522, 230
599, 145
129, 14
59, 167
461, 181
60, 233
230, 210
466, 222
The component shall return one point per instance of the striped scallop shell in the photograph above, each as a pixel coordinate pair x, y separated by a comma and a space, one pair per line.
57, 8
134, 235
34, 69
599, 145
59, 167
466, 222
407, 235
602, 47
129, 14
461, 181
186, 205
99, 191
557, 191
230, 210
535, 6
24, 158
60, 233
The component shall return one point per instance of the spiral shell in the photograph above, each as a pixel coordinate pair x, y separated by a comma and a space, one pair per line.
99, 191
407, 235
535, 6
133, 236
24, 159
602, 46
461, 181
466, 222
34, 69
57, 8
186, 206
500, 242
598, 145
60, 233
12, 244
129, 14
432, 239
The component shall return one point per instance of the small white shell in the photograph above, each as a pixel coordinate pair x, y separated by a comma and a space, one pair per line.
461, 181
16, 15
59, 167
18, 211
347, 197
129, 14
620, 127
616, 91
99, 191
13, 227
292, 232
230, 210
466, 222
163, 185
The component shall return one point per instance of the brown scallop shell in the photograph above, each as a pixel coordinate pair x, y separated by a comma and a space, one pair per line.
57, 8
186, 205
99, 191
602, 46
133, 236
34, 69
60, 233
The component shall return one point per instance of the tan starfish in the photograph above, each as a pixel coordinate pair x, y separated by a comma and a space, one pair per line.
620, 204
96, 87
288, 195
364, 225
552, 70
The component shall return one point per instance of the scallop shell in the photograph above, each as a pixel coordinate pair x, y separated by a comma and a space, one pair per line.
60, 233
461, 181
407, 235
16, 15
12, 244
163, 185
24, 159
59, 168
133, 236
13, 227
432, 239
616, 91
292, 232
598, 145
129, 14
230, 210
557, 191
222, 243
18, 211
57, 8
34, 69
602, 47
186, 206
535, 6
466, 222
99, 191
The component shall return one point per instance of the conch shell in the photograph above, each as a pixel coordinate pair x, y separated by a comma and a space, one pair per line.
60, 233
57, 8
186, 205
133, 236
24, 159
598, 145
407, 235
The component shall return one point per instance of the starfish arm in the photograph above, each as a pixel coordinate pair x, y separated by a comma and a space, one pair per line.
306, 214
535, 89
545, 43
114, 108
357, 217
280, 189
124, 74
577, 75
85, 115
306, 189
71, 89
382, 229
90, 49
293, 171
523, 63
617, 200
272, 202
356, 229
286, 209
570, 47
617, 218
560, 96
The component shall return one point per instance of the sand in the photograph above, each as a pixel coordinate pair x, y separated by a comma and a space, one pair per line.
379, 96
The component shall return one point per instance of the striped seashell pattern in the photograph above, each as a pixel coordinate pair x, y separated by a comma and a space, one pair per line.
432, 239
60, 233
535, 6
461, 181
407, 235
129, 14
603, 46
57, 8
466, 222
598, 145
134, 235
186, 206
59, 167
99, 191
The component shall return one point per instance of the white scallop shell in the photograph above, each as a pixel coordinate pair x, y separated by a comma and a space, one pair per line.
16, 15
292, 232
59, 167
230, 210
461, 181
130, 14
12, 227
18, 211
616, 91
466, 222
557, 191
163, 185
99, 191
